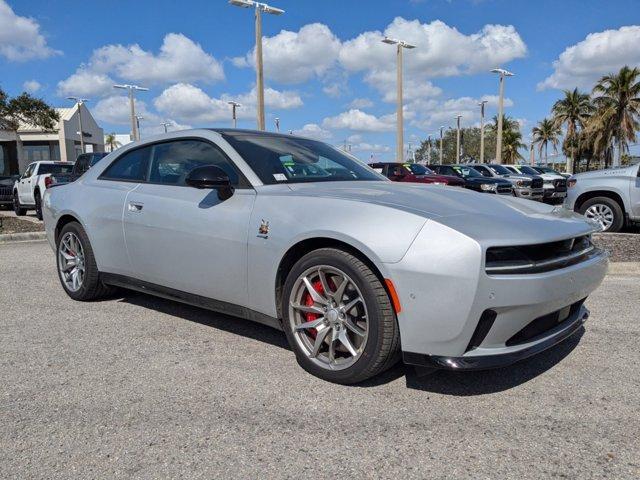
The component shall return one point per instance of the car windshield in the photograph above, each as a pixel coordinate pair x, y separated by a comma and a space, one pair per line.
418, 169
546, 170
466, 172
500, 170
54, 168
527, 170
288, 159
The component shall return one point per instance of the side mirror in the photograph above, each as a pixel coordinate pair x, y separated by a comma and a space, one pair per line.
210, 176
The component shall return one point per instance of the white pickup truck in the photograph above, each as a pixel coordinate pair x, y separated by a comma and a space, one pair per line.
29, 188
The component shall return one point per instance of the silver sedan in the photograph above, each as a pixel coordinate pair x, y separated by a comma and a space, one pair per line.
358, 271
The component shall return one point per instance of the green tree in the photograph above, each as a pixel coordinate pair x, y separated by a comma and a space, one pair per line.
572, 111
25, 109
111, 141
545, 133
617, 102
511, 138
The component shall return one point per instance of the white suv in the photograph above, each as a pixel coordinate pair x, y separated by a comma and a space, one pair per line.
29, 188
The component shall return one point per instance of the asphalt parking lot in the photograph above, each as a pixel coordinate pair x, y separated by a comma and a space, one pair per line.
138, 387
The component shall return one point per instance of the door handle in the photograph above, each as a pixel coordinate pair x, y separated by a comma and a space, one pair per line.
135, 207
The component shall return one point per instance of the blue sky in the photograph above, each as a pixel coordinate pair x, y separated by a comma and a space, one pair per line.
327, 72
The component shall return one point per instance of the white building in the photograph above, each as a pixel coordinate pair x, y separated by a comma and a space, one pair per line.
120, 140
31, 144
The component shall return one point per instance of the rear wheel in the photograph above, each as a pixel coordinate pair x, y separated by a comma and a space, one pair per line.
605, 211
17, 207
77, 268
338, 317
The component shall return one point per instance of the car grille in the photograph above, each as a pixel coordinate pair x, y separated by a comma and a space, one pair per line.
538, 258
5, 192
504, 189
560, 185
537, 183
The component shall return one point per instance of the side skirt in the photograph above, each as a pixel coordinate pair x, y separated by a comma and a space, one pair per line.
183, 297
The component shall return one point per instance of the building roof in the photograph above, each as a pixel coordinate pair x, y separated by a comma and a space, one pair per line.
64, 113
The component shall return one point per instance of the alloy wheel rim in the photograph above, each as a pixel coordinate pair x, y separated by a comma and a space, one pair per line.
71, 261
328, 317
600, 213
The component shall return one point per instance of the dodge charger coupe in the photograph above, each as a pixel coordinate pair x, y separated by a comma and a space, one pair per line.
358, 271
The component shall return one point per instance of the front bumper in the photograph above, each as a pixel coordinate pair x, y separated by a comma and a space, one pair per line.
485, 362
530, 193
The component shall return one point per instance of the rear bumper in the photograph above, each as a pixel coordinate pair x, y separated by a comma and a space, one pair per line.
485, 362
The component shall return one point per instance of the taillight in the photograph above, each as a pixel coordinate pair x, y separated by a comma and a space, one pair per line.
47, 181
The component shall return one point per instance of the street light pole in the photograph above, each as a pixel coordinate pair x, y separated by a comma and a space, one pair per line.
458, 139
482, 103
277, 122
429, 150
259, 9
234, 105
399, 114
441, 140
134, 125
165, 125
138, 118
80, 102
503, 73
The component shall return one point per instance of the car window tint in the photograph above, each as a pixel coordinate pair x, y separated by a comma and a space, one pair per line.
483, 171
55, 168
130, 167
172, 161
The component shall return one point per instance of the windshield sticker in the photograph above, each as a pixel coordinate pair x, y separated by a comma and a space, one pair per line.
280, 177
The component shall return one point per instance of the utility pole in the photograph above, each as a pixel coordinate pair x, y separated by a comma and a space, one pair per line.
234, 106
482, 104
138, 118
458, 139
80, 102
277, 122
134, 125
259, 9
441, 142
399, 113
503, 73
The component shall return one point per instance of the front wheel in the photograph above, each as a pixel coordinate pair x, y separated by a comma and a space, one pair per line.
605, 211
338, 317
17, 207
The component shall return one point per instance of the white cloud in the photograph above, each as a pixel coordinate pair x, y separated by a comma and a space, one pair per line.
31, 86
20, 37
358, 120
370, 147
361, 103
295, 57
86, 83
116, 110
191, 104
599, 54
313, 130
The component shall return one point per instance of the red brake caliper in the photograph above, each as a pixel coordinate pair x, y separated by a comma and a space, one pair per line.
308, 301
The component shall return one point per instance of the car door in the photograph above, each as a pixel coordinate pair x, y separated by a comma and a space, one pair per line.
185, 238
24, 185
635, 193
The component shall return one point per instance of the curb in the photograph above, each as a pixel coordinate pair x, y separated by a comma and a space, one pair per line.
22, 237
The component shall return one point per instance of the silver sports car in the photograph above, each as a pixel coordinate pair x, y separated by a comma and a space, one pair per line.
357, 270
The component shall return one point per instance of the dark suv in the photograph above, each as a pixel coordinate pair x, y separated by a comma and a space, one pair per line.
474, 179
83, 163
415, 173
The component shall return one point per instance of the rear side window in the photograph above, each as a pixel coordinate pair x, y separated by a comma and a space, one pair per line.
172, 161
483, 171
130, 167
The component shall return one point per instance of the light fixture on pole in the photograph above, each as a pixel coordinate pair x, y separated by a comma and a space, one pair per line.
165, 125
441, 129
458, 139
259, 9
399, 118
132, 107
138, 118
503, 73
80, 102
234, 118
482, 104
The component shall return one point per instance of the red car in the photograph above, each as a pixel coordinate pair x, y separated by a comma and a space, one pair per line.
414, 172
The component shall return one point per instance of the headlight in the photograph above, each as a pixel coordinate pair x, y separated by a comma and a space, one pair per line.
487, 187
522, 183
572, 182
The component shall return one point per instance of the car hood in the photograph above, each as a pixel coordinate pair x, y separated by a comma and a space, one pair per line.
443, 178
611, 172
478, 180
487, 218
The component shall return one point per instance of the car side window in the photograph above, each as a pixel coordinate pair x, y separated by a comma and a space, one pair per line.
82, 164
27, 173
129, 167
483, 171
172, 161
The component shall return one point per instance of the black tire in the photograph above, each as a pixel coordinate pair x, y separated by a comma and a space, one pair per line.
17, 208
382, 349
92, 287
38, 200
618, 214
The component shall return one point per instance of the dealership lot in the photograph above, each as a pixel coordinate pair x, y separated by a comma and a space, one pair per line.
145, 388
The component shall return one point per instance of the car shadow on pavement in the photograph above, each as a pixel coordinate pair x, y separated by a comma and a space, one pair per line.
496, 380
238, 326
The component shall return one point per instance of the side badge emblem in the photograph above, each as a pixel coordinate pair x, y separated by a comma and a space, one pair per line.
263, 230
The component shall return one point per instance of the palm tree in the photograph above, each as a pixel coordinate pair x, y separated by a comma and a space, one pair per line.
511, 138
111, 141
572, 111
547, 131
617, 99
